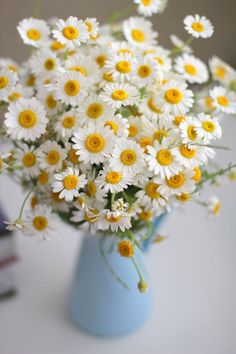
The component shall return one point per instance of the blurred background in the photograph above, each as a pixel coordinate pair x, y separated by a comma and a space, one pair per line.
192, 272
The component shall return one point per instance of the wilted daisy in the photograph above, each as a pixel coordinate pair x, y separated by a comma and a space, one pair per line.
113, 181
40, 222
71, 32
223, 100
177, 184
149, 7
89, 216
179, 43
68, 183
50, 156
8, 81
145, 71
117, 95
191, 68
127, 157
114, 220
93, 143
139, 32
67, 124
198, 26
120, 66
26, 119
33, 31
208, 127
26, 157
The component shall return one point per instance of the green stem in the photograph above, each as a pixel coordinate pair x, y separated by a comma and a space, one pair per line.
137, 269
36, 10
24, 202
178, 50
119, 14
112, 199
220, 172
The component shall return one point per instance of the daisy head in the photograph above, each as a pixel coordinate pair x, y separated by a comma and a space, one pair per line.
223, 100
198, 26
214, 206
8, 81
44, 62
149, 7
26, 157
114, 221
220, 70
92, 27
67, 124
26, 119
118, 125
40, 222
113, 181
145, 71
189, 156
208, 128
117, 95
51, 156
71, 32
177, 184
188, 131
84, 65
89, 216
139, 32
150, 196
33, 31
120, 66
7, 63
192, 69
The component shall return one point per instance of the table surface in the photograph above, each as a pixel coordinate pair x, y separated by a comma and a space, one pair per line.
193, 280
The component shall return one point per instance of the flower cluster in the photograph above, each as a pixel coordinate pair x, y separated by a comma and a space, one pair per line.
109, 128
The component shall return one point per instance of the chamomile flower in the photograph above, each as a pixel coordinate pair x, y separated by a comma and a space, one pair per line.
145, 71
175, 98
127, 157
120, 66
89, 216
93, 143
149, 7
161, 56
191, 157
94, 109
223, 100
67, 124
214, 206
135, 127
220, 70
26, 157
72, 32
177, 184
33, 31
121, 48
117, 95
139, 32
26, 119
8, 81
70, 88
44, 62
208, 128
51, 104
3, 164
8, 63
118, 125
191, 68
84, 65
115, 221
198, 26
188, 130
68, 183
92, 27
149, 108
95, 195
161, 160
179, 43
50, 156
40, 222
150, 196
18, 92
113, 181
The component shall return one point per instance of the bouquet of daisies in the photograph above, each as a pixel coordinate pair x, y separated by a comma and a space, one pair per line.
109, 129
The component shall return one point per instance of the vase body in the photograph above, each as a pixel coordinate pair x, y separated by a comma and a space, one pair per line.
98, 302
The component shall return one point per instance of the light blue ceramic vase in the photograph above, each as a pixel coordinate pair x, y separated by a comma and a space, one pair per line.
98, 303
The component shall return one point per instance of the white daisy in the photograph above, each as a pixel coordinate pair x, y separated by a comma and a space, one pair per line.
139, 32
71, 32
115, 221
20, 91
8, 63
26, 119
177, 184
161, 56
120, 66
44, 62
208, 127
51, 156
121, 48
33, 31
68, 183
8, 81
198, 26
135, 127
118, 125
92, 27
220, 70
150, 196
94, 143
70, 88
149, 7
192, 157
26, 157
145, 71
40, 222
66, 124
127, 157
191, 68
214, 206
49, 100
179, 43
223, 100
149, 108
85, 66
113, 181
188, 130
95, 196
161, 160
117, 95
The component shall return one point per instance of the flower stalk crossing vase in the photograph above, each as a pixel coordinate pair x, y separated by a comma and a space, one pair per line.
98, 302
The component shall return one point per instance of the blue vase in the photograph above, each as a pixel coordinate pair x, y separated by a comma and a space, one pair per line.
98, 302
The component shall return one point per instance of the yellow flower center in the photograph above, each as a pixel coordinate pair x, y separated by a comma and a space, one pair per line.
34, 201
125, 248
43, 177
223, 101
198, 27
123, 67
70, 32
113, 126
209, 102
128, 157
133, 130
138, 35
33, 34
144, 71
119, 95
190, 69
113, 177
40, 223
100, 60
152, 190
3, 82
124, 51
70, 182
29, 159
12, 68
14, 96
1, 163
173, 96
53, 157
192, 134
198, 175
146, 2
176, 181
186, 152
69, 122
95, 143
57, 46
208, 126
146, 215
72, 156
49, 64
95, 110
91, 189
89, 26
108, 77
144, 142
164, 157
152, 106
216, 208
178, 120
184, 197
27, 119
79, 69
72, 87
220, 72
51, 102
160, 134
